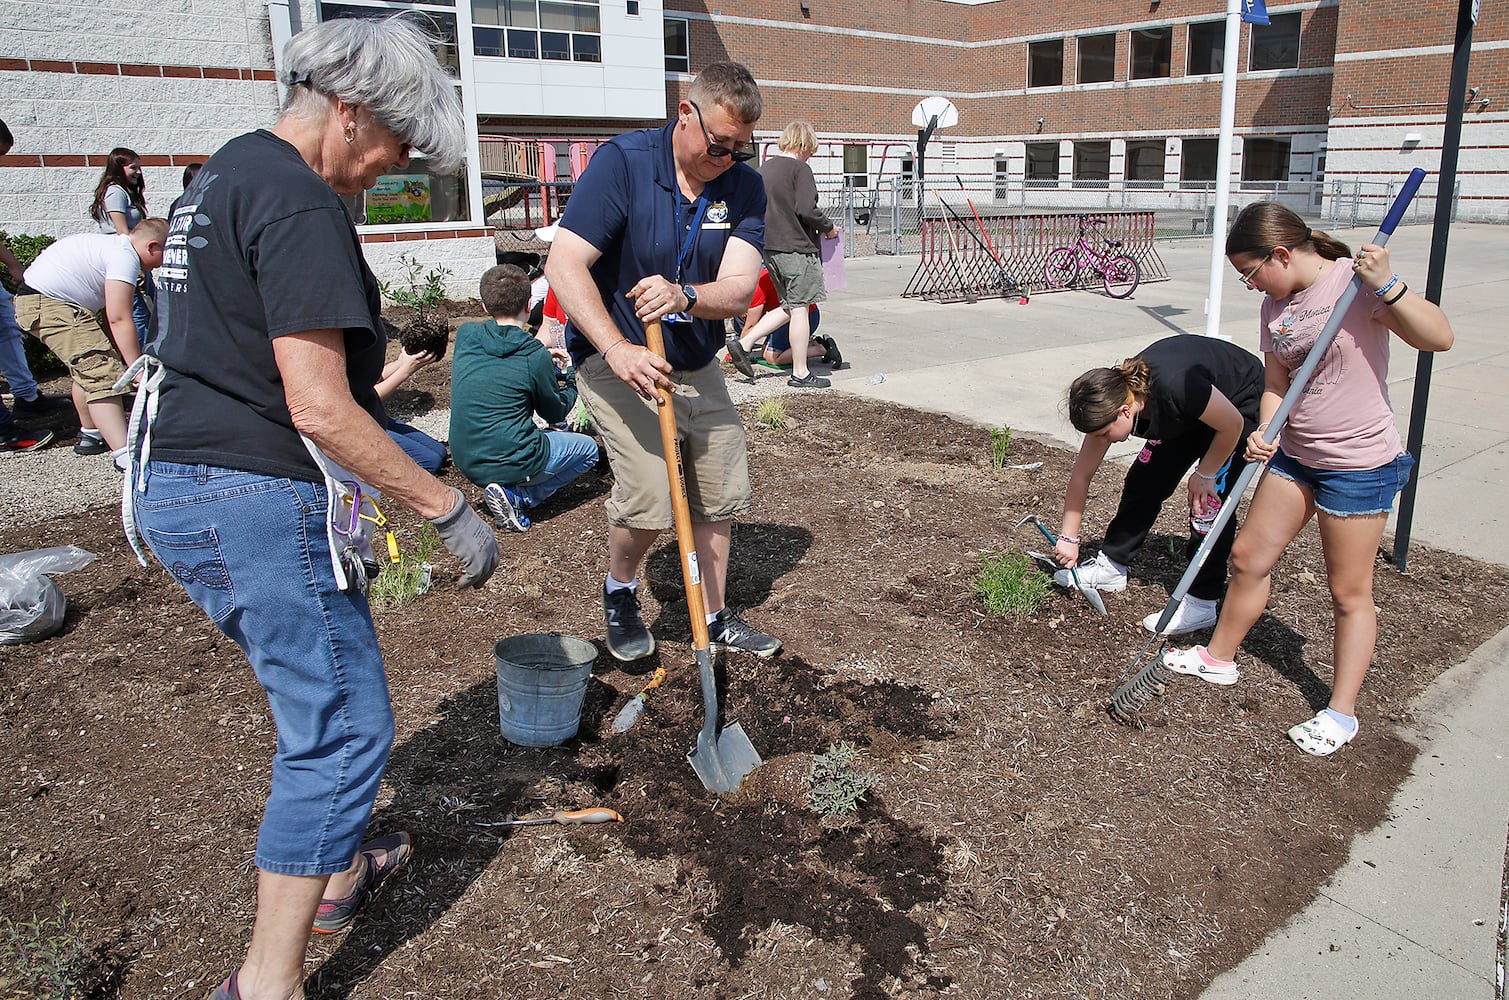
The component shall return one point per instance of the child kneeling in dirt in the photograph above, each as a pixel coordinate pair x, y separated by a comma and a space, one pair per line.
500, 377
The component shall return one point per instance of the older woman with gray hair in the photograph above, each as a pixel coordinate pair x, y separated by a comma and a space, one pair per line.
261, 447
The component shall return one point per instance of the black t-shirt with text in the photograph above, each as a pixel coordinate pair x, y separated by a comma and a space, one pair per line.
1183, 371
258, 247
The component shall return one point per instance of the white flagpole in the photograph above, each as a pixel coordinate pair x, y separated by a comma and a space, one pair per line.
1229, 57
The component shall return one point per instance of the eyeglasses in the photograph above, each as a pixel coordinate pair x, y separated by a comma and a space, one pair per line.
715, 150
1246, 279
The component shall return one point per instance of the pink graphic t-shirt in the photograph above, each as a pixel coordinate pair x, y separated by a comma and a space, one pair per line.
1344, 419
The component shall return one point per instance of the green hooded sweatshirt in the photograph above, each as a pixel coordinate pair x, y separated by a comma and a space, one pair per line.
501, 377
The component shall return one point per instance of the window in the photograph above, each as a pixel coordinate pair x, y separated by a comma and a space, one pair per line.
1097, 58
413, 194
1199, 161
538, 29
1042, 161
1265, 160
1276, 45
1152, 50
1092, 163
1045, 63
678, 49
1144, 160
1002, 178
1207, 48
856, 166
441, 25
631, 8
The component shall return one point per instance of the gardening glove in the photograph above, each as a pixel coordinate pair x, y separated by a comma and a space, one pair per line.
469, 539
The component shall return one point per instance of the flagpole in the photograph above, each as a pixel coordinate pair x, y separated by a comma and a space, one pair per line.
1229, 57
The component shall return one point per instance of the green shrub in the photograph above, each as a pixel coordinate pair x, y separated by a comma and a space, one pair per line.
1000, 445
1009, 584
771, 413
43, 363
418, 289
403, 581
44, 957
837, 785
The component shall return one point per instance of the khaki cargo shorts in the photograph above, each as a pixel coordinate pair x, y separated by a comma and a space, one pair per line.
78, 337
798, 278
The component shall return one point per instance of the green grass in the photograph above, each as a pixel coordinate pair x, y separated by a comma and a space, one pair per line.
838, 786
403, 581
772, 414
1000, 446
1009, 584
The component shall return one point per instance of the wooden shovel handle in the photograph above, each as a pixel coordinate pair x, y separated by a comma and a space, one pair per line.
670, 443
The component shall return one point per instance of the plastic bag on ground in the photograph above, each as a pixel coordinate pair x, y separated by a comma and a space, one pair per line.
31, 605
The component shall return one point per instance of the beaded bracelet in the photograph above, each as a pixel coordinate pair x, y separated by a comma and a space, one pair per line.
1397, 295
1385, 289
1066, 538
1196, 471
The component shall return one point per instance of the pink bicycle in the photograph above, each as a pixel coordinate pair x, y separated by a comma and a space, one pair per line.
1119, 273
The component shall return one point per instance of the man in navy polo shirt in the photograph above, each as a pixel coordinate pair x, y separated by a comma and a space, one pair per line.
667, 224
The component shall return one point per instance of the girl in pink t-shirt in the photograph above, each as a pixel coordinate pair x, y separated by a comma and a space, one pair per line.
1339, 457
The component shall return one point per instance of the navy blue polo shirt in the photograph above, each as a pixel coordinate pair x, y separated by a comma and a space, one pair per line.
628, 206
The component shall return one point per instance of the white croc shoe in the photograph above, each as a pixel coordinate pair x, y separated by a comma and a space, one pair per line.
1191, 615
1191, 661
1322, 735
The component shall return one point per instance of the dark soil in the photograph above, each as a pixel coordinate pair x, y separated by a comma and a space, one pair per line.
1020, 844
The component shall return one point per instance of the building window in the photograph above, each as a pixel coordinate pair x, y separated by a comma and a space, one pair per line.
1092, 163
538, 29
442, 26
1276, 45
1144, 160
631, 8
1002, 178
678, 48
1045, 63
1207, 48
1152, 51
1097, 58
1265, 160
1042, 161
1199, 160
856, 166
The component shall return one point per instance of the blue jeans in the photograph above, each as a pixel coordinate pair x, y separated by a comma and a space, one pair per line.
141, 315
251, 551
13, 351
426, 452
570, 456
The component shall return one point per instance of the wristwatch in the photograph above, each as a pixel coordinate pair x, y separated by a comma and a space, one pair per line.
691, 296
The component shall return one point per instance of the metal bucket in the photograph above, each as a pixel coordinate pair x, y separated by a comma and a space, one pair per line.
542, 681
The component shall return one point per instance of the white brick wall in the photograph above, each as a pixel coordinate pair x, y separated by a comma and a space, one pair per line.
1373, 151
467, 259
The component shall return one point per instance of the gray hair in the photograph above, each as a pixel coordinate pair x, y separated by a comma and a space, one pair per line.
387, 66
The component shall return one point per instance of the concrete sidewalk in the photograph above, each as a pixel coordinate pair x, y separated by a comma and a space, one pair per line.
1415, 910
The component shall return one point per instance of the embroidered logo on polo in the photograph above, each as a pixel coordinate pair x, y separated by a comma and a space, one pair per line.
717, 212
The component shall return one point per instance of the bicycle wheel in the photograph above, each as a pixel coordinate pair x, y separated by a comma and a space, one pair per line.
1062, 268
1120, 276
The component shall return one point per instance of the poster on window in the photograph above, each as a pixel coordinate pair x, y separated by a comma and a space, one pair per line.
398, 198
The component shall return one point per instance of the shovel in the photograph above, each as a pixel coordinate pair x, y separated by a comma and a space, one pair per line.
1138, 685
1091, 594
721, 759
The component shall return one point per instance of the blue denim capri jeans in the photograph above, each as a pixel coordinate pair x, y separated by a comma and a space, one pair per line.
1348, 492
252, 552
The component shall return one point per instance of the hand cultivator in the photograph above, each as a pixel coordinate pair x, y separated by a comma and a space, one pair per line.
1138, 686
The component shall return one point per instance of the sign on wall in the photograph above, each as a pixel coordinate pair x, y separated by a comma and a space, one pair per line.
397, 198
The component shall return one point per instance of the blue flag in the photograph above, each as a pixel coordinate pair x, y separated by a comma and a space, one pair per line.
1255, 12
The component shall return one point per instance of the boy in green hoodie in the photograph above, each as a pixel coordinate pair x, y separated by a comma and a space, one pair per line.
500, 377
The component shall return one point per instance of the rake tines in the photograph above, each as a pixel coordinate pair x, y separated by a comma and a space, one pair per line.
1128, 700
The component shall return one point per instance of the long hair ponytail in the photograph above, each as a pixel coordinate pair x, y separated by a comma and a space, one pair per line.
1096, 395
1264, 225
115, 173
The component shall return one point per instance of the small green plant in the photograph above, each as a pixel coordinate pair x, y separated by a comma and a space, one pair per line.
772, 414
44, 957
1000, 446
418, 289
1008, 584
838, 786
401, 582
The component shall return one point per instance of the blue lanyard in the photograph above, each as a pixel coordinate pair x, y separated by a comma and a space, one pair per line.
684, 257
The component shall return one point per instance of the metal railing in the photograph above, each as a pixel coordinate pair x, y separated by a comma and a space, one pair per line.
1365, 203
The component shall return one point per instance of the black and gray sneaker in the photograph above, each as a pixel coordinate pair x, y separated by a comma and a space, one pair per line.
739, 357
628, 638
729, 631
831, 355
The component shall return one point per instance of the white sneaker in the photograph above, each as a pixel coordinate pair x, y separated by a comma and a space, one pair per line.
1191, 614
1097, 574
1190, 661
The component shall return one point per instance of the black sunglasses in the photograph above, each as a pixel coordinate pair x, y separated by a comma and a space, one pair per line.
716, 151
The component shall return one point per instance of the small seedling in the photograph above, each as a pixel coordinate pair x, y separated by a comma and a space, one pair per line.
1000, 446
403, 581
44, 956
422, 291
838, 786
772, 414
1008, 584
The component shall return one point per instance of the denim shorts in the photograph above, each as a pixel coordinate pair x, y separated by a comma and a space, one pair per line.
1348, 492
251, 551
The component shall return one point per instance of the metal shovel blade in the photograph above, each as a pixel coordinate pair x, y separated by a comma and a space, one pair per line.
721, 759
1091, 594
